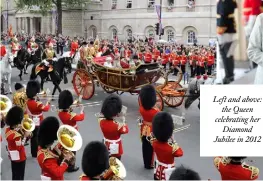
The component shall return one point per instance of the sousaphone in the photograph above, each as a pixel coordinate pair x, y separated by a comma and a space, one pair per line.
5, 104
28, 124
69, 138
116, 171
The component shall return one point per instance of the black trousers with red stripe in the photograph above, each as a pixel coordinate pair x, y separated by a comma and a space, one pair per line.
147, 153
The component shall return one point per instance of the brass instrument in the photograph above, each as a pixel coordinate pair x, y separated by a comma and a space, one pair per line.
116, 171
28, 124
70, 140
5, 104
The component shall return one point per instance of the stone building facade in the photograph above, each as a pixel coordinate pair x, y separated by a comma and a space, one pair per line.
182, 20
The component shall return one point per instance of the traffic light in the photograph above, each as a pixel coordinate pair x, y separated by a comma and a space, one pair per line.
157, 26
162, 32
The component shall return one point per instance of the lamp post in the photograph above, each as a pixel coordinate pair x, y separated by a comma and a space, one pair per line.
7, 6
160, 27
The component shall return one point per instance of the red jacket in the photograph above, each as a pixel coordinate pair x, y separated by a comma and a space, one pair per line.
15, 47
156, 54
127, 53
165, 153
124, 65
148, 57
36, 108
147, 116
165, 58
230, 171
73, 48
183, 60
48, 162
70, 118
3, 51
14, 142
210, 60
113, 130
174, 59
140, 56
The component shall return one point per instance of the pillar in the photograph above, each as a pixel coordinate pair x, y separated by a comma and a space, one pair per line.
31, 25
25, 23
18, 25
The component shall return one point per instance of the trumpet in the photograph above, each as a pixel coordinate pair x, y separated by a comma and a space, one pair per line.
116, 171
70, 140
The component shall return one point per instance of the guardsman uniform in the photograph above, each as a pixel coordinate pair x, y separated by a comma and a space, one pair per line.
147, 100
226, 29
147, 57
183, 61
127, 53
210, 62
2, 51
95, 160
165, 59
192, 62
111, 129
20, 98
174, 60
68, 117
163, 145
48, 56
84, 51
15, 46
35, 111
140, 55
156, 54
32, 46
15, 142
74, 46
230, 169
52, 168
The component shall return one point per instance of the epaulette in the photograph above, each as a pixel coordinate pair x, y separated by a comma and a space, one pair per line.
100, 119
225, 160
83, 175
174, 146
72, 115
47, 154
10, 132
254, 170
217, 161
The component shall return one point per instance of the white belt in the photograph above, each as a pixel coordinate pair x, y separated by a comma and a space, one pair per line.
112, 141
164, 164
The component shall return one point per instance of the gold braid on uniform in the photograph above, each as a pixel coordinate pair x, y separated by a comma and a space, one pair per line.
254, 170
174, 145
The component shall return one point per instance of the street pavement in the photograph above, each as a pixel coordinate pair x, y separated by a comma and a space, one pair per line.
132, 159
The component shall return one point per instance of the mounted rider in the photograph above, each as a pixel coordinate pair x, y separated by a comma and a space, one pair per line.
32, 46
48, 57
15, 46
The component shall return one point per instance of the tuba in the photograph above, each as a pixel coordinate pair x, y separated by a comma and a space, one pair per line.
69, 138
28, 124
116, 171
5, 104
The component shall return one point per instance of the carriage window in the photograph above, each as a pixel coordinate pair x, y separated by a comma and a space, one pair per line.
170, 35
151, 3
191, 37
129, 3
114, 33
114, 4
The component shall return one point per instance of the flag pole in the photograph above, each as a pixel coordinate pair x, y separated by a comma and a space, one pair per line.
160, 27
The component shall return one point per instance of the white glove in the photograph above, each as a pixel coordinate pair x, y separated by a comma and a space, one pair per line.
55, 59
45, 62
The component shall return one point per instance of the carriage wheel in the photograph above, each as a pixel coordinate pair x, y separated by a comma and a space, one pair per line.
107, 89
159, 101
170, 100
83, 84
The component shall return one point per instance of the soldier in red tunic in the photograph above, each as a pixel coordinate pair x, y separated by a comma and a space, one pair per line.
111, 129
49, 160
95, 161
67, 117
183, 62
182, 173
156, 54
210, 62
147, 56
163, 145
35, 111
234, 168
15, 142
73, 47
148, 111
2, 51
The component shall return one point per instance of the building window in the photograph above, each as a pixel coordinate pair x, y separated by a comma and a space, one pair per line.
151, 33
170, 35
93, 33
114, 33
191, 4
114, 4
151, 3
129, 3
129, 33
191, 38
170, 2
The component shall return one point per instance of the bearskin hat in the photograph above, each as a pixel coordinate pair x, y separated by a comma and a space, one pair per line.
47, 132
32, 88
91, 42
147, 97
135, 57
163, 126
182, 173
14, 116
84, 43
95, 159
18, 86
65, 99
111, 106
237, 159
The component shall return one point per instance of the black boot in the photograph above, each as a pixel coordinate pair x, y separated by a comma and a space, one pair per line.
72, 168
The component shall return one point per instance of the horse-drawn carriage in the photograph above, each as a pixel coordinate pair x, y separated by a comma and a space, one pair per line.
127, 80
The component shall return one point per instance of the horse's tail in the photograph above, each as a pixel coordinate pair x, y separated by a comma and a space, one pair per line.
33, 74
